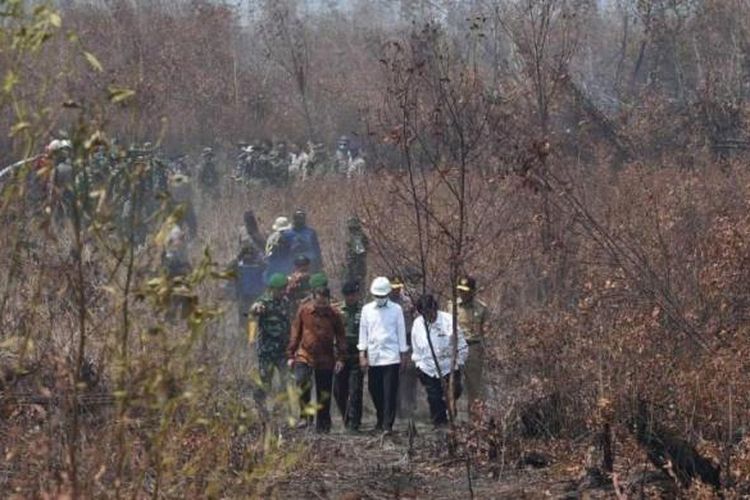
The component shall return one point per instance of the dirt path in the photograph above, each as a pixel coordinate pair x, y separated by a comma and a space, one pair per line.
366, 466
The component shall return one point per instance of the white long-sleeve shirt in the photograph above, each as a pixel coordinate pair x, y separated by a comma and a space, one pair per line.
382, 333
441, 334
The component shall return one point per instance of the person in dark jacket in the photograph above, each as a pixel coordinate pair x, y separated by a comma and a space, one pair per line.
317, 350
248, 283
303, 240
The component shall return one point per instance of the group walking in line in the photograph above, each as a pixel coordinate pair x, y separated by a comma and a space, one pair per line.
331, 348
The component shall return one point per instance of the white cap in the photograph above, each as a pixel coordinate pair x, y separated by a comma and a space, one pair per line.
381, 287
58, 144
281, 224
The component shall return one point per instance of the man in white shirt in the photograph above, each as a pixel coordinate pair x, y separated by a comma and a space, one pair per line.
382, 344
432, 343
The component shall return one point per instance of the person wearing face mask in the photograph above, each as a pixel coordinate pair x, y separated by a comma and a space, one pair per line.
317, 350
432, 343
382, 347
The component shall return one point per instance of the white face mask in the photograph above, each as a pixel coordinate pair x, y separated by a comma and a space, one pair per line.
381, 301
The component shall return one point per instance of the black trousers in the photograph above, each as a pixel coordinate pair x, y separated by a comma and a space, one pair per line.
383, 384
304, 376
436, 396
347, 389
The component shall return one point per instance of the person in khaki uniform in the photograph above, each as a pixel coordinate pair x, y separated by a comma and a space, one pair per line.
472, 318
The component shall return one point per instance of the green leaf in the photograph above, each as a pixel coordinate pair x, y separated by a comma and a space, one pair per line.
93, 61
55, 19
10, 81
120, 94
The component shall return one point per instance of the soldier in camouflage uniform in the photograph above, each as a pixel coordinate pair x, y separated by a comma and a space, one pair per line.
320, 164
176, 264
271, 312
472, 316
279, 160
181, 195
349, 382
61, 188
262, 167
356, 252
343, 155
138, 185
208, 176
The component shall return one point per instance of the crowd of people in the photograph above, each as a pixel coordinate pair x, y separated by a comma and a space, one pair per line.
333, 347
134, 179
393, 341
284, 300
282, 163
268, 163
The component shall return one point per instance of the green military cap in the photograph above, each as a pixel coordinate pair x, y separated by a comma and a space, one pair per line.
277, 281
318, 280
